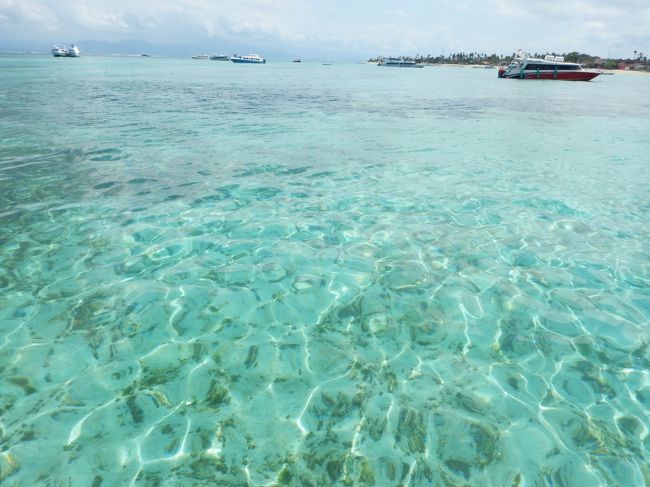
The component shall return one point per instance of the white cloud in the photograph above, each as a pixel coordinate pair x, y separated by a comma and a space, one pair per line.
375, 25
27, 13
580, 11
595, 26
96, 19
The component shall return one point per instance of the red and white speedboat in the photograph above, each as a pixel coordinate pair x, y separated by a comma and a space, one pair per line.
551, 67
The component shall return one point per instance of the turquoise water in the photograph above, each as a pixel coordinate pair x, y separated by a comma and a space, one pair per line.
296, 274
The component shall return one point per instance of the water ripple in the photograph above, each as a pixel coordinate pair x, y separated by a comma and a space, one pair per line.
282, 279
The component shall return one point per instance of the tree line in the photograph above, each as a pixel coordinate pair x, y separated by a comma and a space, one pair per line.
639, 61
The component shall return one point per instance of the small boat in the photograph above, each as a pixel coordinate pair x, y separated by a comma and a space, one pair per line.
297, 61
398, 62
522, 66
200, 56
250, 59
145, 55
220, 57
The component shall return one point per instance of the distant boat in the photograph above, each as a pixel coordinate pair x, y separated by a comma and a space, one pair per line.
145, 55
200, 56
398, 62
220, 57
523, 66
59, 51
72, 51
327, 64
297, 61
250, 59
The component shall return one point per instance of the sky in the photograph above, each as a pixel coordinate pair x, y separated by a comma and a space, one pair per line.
612, 28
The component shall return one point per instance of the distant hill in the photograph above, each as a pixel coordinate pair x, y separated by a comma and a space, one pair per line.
207, 46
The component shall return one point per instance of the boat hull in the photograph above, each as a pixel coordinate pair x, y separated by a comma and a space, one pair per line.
247, 61
565, 76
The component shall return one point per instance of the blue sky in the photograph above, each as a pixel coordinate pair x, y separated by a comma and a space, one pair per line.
614, 28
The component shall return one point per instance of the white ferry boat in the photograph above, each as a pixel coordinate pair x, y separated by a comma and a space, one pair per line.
522, 66
250, 59
58, 51
398, 62
72, 51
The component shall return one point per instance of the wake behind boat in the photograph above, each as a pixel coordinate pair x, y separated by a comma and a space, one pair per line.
522, 66
250, 59
398, 62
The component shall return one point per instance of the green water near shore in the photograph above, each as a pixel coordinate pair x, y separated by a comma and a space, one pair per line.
295, 274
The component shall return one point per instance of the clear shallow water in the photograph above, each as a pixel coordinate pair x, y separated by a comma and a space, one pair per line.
321, 275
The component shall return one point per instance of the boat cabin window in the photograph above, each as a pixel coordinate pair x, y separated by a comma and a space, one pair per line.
560, 67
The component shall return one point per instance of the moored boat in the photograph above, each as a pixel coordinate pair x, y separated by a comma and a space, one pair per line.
522, 66
200, 56
398, 62
250, 59
220, 57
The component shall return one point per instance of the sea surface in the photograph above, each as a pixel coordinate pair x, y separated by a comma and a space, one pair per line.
308, 275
